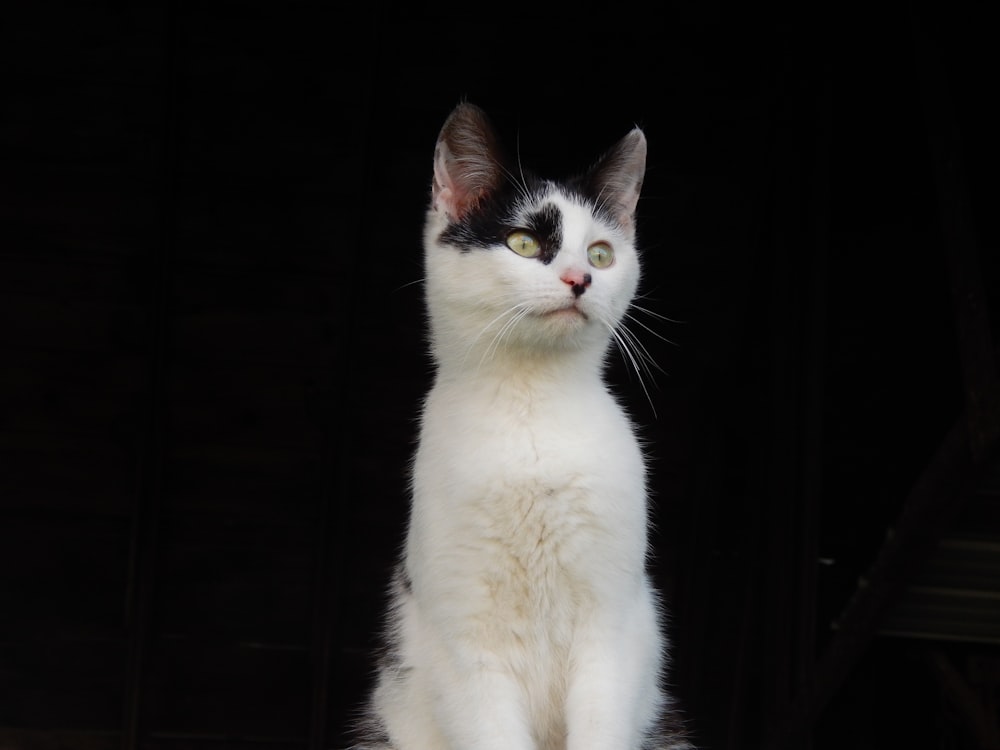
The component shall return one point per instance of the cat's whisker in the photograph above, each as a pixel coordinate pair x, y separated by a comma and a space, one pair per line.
625, 340
648, 360
515, 313
658, 335
407, 284
521, 185
599, 200
625, 347
485, 328
519, 312
643, 355
494, 346
653, 313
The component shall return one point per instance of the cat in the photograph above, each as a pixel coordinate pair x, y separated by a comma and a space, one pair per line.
521, 616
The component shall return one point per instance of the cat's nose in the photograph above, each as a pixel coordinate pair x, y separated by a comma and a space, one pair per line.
577, 280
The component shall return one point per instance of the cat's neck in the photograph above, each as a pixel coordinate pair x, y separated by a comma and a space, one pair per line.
479, 368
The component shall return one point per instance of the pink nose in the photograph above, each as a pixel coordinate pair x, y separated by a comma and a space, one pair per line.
578, 281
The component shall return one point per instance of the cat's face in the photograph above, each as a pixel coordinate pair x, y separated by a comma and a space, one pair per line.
517, 266
544, 272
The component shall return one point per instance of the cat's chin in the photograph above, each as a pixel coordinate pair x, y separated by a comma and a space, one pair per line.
564, 321
564, 324
569, 312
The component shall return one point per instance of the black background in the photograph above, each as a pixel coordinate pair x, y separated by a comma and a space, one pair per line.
212, 354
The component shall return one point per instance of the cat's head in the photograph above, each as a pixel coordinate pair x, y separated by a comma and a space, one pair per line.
519, 267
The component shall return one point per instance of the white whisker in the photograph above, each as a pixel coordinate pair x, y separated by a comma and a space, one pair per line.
518, 315
512, 314
408, 283
641, 351
520, 184
639, 359
655, 333
652, 313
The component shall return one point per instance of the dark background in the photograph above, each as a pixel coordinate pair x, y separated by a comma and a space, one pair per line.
211, 354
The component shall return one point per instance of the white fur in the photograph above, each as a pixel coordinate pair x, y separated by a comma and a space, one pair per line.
529, 622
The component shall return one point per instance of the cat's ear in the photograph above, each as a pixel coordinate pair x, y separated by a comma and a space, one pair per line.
467, 162
615, 181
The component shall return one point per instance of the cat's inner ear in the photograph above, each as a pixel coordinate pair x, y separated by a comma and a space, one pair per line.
467, 162
615, 181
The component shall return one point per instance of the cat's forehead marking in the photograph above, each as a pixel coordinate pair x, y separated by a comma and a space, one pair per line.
545, 223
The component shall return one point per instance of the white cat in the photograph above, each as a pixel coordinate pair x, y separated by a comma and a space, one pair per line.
522, 617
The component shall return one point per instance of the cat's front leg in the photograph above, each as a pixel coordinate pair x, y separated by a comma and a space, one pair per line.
479, 705
614, 695
448, 690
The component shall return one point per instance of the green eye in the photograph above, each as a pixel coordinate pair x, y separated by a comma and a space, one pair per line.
600, 255
523, 244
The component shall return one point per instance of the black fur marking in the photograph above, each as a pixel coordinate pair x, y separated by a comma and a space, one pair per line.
502, 212
590, 192
546, 225
489, 223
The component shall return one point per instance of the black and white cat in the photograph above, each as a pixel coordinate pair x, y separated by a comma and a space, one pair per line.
522, 617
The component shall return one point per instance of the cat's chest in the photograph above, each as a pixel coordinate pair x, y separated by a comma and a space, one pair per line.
546, 487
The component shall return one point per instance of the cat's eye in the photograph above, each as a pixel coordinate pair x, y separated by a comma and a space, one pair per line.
600, 255
524, 244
